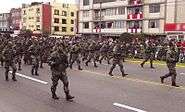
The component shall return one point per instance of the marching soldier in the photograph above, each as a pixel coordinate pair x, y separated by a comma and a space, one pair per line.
117, 59
1, 53
92, 49
19, 52
171, 60
58, 62
149, 54
75, 56
35, 53
9, 57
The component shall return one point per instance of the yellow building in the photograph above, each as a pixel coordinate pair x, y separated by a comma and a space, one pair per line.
54, 18
63, 19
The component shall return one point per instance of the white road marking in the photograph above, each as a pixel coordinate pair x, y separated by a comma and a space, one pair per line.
128, 107
31, 78
182, 73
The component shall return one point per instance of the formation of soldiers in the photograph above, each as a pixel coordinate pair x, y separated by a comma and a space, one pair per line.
63, 53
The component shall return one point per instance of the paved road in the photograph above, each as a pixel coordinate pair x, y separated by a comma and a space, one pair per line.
95, 91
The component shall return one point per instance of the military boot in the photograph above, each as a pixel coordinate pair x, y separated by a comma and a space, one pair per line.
54, 96
174, 84
32, 72
79, 68
69, 97
162, 80
14, 78
6, 78
142, 65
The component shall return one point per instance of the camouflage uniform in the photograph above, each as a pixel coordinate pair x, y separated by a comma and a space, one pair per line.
19, 52
91, 56
104, 52
9, 57
149, 55
117, 60
35, 53
171, 60
75, 56
58, 62
1, 54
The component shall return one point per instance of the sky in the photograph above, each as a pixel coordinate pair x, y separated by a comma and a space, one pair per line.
6, 5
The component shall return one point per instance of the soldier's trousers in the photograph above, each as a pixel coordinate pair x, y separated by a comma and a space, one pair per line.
104, 56
75, 57
7, 69
120, 64
55, 78
91, 57
148, 57
172, 72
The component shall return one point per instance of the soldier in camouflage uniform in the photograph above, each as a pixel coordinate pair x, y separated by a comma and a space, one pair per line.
171, 60
117, 59
1, 54
149, 54
91, 56
19, 52
35, 55
9, 57
75, 56
104, 52
58, 62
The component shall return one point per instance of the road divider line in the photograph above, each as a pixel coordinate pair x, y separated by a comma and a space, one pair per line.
136, 80
128, 107
31, 78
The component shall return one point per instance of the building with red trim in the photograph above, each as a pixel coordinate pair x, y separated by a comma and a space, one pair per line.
113, 17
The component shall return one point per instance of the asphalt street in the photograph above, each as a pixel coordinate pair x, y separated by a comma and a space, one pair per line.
95, 91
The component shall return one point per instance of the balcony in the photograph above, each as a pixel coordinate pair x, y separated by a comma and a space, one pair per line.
134, 30
135, 2
98, 18
138, 16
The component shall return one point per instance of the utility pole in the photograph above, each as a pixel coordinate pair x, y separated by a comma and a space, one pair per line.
100, 22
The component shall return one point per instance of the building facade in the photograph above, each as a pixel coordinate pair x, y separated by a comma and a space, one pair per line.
15, 19
4, 22
36, 17
64, 19
54, 18
134, 16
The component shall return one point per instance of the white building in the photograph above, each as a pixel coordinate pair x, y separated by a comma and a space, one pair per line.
4, 22
133, 16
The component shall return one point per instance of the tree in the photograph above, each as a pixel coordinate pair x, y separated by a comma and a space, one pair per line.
26, 33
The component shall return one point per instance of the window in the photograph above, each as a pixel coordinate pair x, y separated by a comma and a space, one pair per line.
38, 19
56, 12
85, 13
153, 24
56, 28
86, 25
56, 20
72, 14
111, 12
64, 29
64, 21
24, 19
85, 2
72, 29
121, 10
118, 24
38, 10
24, 12
38, 27
154, 8
72, 21
64, 13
